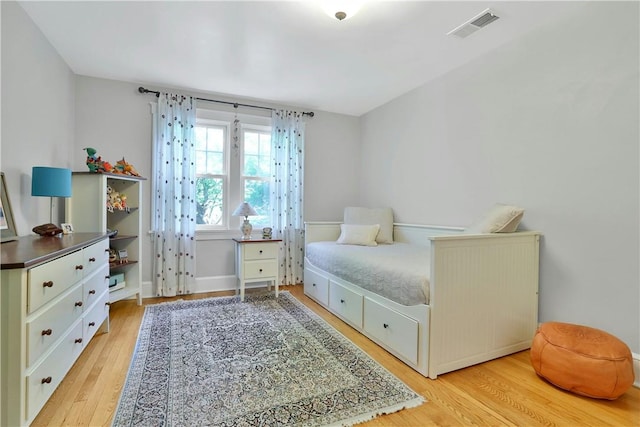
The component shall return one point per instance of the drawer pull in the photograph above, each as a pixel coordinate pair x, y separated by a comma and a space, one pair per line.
78, 340
92, 259
106, 250
260, 250
48, 284
107, 277
313, 284
46, 380
341, 301
92, 323
385, 325
107, 303
79, 267
92, 291
78, 304
260, 270
46, 332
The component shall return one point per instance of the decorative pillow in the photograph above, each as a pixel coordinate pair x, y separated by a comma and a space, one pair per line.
500, 219
370, 216
363, 235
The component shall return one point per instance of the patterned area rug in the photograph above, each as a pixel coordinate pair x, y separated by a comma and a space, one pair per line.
265, 362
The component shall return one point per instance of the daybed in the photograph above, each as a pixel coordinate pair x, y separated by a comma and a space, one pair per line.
480, 300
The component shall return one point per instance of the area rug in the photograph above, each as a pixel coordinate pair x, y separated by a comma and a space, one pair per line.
264, 362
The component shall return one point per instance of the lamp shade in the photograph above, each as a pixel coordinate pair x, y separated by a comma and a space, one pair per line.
244, 209
50, 182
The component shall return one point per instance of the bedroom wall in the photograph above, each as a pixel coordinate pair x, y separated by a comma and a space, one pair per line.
114, 118
37, 114
548, 122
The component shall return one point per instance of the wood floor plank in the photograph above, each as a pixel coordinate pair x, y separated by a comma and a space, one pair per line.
501, 392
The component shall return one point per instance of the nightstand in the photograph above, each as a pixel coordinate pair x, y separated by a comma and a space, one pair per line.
257, 261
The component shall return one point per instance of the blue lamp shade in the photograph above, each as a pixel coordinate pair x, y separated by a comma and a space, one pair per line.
50, 182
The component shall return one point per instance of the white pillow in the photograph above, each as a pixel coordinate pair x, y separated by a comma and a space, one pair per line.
369, 216
363, 235
499, 219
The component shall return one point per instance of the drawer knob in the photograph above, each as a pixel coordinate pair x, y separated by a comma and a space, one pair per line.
78, 340
260, 270
47, 332
78, 304
260, 250
92, 323
107, 277
92, 291
106, 250
79, 267
385, 325
48, 284
341, 301
46, 380
92, 259
313, 284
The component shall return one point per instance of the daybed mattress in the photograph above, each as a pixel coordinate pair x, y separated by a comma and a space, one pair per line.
398, 271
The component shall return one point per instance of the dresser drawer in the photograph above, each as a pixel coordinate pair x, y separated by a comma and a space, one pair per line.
346, 303
51, 279
44, 379
47, 327
95, 256
95, 285
95, 316
316, 286
258, 269
395, 330
260, 251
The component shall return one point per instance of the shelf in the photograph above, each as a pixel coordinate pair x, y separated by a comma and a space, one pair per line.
122, 211
119, 238
117, 266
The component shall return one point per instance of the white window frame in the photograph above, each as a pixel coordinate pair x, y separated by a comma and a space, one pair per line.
234, 192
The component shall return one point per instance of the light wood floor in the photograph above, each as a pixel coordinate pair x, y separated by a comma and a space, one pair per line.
505, 391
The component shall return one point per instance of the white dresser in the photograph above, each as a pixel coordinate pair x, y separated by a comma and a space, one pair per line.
53, 298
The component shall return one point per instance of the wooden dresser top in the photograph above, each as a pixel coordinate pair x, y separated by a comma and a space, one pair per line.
29, 251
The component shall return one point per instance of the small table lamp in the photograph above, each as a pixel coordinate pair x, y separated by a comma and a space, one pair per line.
245, 209
50, 182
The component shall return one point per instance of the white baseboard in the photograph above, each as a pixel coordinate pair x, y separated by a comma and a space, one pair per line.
207, 284
636, 368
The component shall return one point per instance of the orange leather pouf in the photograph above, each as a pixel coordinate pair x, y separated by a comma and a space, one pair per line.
582, 360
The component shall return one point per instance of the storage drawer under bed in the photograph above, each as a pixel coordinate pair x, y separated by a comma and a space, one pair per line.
392, 329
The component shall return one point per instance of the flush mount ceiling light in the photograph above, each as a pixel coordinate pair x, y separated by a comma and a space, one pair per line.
341, 9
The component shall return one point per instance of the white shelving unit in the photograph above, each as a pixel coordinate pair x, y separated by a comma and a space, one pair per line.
87, 211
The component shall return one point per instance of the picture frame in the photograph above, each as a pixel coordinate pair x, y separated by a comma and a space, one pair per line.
7, 222
66, 228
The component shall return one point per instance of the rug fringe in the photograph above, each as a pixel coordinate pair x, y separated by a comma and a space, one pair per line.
363, 418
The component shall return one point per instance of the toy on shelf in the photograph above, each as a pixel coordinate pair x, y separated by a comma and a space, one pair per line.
116, 200
95, 162
124, 168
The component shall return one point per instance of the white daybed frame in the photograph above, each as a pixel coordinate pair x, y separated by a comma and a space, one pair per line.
483, 300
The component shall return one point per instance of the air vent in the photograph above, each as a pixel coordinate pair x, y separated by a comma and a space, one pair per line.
474, 24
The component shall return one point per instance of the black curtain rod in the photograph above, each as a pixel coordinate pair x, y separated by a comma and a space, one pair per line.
234, 104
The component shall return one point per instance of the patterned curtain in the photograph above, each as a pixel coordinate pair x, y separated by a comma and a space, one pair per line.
287, 141
174, 204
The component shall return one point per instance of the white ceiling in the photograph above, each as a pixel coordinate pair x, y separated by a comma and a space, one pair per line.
286, 52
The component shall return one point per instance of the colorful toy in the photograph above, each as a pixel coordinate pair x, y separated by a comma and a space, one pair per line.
116, 200
124, 168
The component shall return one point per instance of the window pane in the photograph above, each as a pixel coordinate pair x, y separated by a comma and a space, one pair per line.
201, 138
201, 162
209, 197
257, 154
256, 193
215, 137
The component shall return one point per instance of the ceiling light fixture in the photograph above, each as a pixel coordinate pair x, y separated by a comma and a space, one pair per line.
341, 9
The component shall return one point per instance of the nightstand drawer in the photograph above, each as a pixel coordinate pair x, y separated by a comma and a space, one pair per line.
260, 251
51, 279
258, 269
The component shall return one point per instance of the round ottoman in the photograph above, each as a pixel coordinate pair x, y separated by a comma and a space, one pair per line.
583, 360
